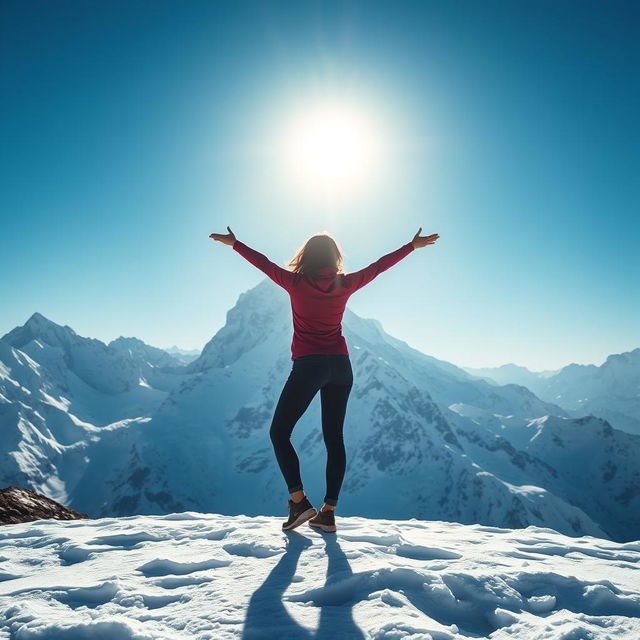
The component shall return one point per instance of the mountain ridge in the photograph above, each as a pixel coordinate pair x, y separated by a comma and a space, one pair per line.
610, 391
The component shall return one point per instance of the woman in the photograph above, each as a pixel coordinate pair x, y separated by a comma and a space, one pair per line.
319, 290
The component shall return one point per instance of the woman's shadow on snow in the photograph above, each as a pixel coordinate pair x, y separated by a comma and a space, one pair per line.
267, 616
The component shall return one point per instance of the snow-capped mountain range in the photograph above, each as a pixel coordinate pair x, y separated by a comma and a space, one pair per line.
610, 391
125, 429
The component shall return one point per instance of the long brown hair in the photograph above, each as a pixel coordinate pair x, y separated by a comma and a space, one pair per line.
320, 250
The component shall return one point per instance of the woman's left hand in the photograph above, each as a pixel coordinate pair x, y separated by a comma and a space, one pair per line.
225, 238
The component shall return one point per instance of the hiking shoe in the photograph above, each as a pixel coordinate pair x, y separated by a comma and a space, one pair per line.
299, 512
325, 520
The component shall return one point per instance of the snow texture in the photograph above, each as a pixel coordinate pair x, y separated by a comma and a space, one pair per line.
207, 576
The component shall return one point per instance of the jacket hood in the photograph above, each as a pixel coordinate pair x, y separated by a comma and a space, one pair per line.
324, 279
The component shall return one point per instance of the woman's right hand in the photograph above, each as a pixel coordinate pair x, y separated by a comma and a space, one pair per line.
225, 238
422, 241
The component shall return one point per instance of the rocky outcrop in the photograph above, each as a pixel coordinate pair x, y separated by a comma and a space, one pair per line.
24, 505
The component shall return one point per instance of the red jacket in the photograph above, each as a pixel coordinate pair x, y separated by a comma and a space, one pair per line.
318, 302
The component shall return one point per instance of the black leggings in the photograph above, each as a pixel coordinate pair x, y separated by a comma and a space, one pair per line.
333, 376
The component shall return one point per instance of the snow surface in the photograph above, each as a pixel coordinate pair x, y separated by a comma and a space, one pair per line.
195, 575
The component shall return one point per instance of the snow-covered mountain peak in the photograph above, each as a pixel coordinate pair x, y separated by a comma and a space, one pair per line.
627, 363
38, 327
581, 369
128, 343
260, 314
136, 348
185, 356
610, 391
37, 318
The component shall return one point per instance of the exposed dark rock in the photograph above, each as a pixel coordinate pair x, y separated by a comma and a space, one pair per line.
24, 505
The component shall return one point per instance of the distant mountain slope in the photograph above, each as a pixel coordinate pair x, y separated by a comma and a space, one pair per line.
586, 462
145, 354
610, 391
512, 374
57, 391
185, 356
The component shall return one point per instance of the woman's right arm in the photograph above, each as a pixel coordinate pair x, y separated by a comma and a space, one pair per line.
278, 274
359, 279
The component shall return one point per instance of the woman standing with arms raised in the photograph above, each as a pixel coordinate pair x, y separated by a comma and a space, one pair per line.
319, 290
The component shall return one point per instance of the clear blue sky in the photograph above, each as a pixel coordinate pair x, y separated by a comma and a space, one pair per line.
132, 130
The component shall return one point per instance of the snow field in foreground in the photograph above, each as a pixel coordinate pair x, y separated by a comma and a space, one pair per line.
208, 576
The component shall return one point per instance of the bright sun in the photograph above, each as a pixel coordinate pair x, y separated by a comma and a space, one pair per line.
332, 149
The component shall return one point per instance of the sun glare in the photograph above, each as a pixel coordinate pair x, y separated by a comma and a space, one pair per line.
332, 149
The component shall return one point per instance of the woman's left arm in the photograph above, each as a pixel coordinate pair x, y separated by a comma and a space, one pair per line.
278, 274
